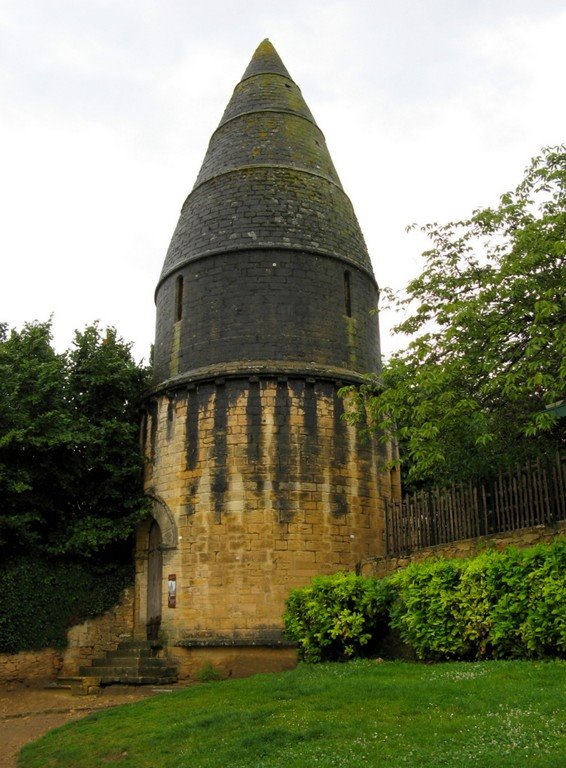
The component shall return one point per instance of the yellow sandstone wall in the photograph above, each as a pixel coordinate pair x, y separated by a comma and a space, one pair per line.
526, 537
92, 638
259, 485
30, 666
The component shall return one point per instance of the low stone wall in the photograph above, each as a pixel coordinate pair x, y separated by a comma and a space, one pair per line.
92, 638
85, 642
30, 666
527, 537
231, 661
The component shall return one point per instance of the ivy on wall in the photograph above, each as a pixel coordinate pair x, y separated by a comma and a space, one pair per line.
40, 599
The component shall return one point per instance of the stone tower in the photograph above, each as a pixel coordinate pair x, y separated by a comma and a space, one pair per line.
264, 310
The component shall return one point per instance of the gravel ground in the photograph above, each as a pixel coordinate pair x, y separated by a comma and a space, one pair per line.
26, 713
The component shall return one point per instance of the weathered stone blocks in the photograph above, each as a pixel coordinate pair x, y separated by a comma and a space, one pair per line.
265, 519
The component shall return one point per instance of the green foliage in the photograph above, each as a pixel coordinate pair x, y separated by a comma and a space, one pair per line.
70, 464
208, 673
497, 605
337, 617
35, 434
426, 607
104, 387
41, 598
70, 480
487, 350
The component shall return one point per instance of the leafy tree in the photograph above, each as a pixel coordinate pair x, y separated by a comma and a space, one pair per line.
35, 434
104, 387
487, 349
70, 464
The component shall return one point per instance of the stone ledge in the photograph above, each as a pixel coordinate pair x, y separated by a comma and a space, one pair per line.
264, 638
260, 368
462, 548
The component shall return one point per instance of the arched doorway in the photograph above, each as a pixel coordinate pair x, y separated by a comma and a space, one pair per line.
154, 581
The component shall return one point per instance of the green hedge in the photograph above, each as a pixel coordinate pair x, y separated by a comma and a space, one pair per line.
337, 617
41, 598
498, 605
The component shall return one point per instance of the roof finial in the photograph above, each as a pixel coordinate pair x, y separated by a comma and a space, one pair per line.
266, 59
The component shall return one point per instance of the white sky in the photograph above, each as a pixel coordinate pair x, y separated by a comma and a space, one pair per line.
430, 109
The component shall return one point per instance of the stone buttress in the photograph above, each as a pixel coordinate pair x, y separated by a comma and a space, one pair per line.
264, 310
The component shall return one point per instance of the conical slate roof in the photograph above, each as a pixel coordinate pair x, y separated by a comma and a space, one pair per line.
267, 180
265, 60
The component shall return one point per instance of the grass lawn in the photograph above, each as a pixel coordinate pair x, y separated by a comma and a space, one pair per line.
488, 714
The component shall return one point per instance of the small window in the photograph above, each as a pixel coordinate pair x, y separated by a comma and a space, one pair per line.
347, 295
178, 298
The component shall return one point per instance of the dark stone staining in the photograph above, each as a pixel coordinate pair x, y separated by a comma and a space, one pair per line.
153, 411
219, 484
283, 455
254, 431
311, 415
192, 429
235, 390
309, 447
365, 452
339, 501
170, 417
366, 466
312, 436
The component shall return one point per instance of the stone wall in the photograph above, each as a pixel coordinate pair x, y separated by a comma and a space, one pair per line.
274, 306
526, 537
92, 638
232, 661
32, 667
267, 487
86, 641
263, 206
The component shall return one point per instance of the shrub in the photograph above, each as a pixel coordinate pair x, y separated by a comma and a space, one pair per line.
543, 629
208, 673
337, 617
497, 605
500, 605
425, 610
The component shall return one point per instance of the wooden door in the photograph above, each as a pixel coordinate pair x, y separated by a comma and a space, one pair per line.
154, 581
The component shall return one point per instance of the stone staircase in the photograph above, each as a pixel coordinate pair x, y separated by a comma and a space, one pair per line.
134, 662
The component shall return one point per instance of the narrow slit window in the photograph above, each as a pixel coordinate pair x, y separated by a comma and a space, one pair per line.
347, 294
179, 298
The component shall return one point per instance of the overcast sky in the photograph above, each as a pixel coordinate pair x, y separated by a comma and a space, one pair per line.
430, 109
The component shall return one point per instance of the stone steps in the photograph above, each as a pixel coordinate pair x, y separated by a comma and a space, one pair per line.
122, 661
134, 662
121, 671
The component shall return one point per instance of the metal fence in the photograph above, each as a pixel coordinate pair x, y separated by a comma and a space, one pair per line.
534, 494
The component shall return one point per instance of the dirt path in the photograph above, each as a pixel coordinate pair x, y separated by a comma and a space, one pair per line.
28, 713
